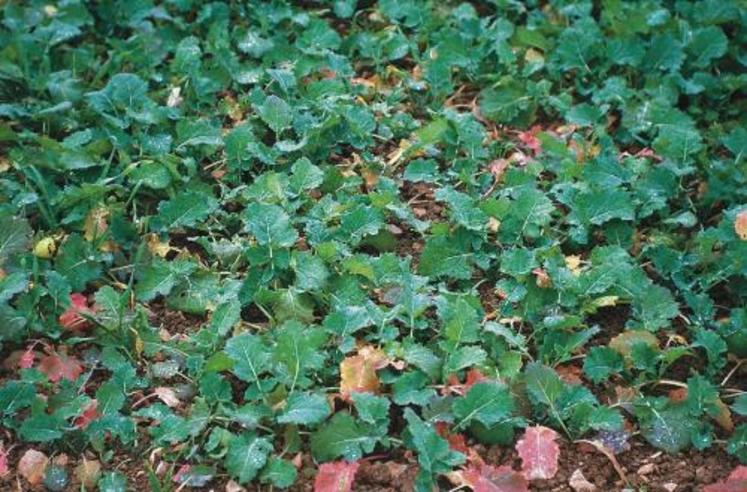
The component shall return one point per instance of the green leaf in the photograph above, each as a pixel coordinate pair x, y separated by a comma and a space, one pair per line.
246, 455
486, 402
15, 395
707, 44
77, 262
311, 272
359, 222
112, 482
665, 425
251, 357
343, 437
434, 454
443, 257
185, 210
279, 472
161, 276
372, 409
276, 113
270, 225
42, 428
15, 238
601, 363
305, 408
298, 349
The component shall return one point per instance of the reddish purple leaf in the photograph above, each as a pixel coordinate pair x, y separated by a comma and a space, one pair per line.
488, 478
57, 365
737, 482
336, 477
539, 453
71, 319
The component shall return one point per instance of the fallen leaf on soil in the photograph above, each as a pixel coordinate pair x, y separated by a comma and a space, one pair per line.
232, 486
72, 318
32, 466
736, 482
358, 372
88, 472
646, 469
58, 365
336, 477
579, 483
740, 225
488, 478
3, 461
539, 453
168, 396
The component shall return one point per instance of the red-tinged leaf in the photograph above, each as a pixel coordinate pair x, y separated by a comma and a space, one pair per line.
530, 139
336, 477
488, 478
72, 318
181, 474
90, 413
58, 365
539, 453
3, 461
473, 376
736, 482
740, 225
27, 359
457, 442
32, 466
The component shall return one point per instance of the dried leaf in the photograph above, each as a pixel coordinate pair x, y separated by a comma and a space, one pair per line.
488, 478
168, 396
539, 453
3, 461
32, 466
579, 483
336, 477
88, 472
736, 482
95, 224
58, 365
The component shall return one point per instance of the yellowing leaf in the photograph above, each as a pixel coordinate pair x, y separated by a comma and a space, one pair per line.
96, 223
624, 342
573, 263
358, 372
